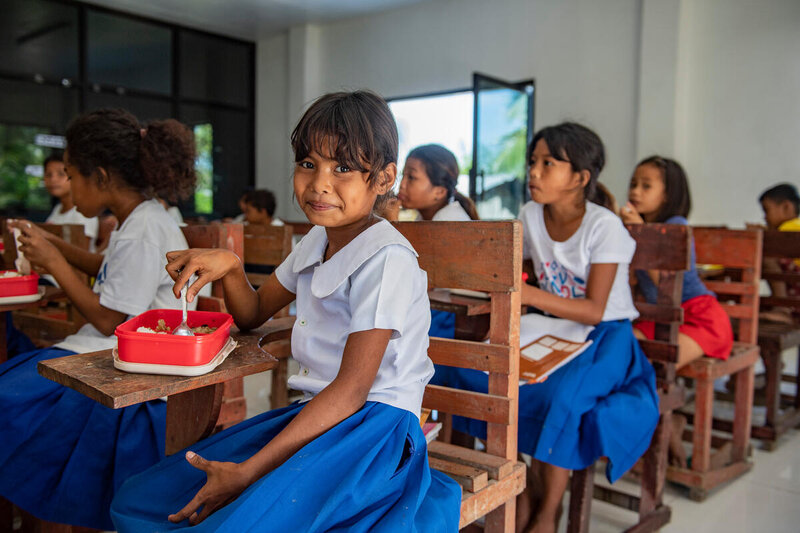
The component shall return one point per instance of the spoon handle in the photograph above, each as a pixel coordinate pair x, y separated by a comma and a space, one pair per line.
183, 302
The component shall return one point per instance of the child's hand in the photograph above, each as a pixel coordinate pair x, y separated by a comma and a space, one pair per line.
207, 265
225, 481
629, 214
36, 245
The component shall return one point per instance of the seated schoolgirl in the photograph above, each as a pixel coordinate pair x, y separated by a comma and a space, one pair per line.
64, 455
659, 192
429, 184
603, 403
351, 456
58, 185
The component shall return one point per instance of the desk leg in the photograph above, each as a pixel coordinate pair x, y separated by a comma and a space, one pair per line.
191, 416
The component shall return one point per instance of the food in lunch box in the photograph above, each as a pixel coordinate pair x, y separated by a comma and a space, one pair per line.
205, 329
10, 274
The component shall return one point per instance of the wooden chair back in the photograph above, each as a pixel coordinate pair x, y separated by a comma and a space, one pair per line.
739, 253
781, 245
228, 236
299, 228
666, 248
487, 257
265, 246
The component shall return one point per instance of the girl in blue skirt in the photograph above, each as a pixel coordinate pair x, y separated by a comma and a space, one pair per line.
603, 403
351, 456
63, 455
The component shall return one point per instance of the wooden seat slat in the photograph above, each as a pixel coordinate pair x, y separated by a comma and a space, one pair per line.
496, 467
470, 478
731, 288
659, 350
659, 312
469, 354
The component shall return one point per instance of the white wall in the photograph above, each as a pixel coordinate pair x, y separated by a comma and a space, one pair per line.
713, 82
738, 103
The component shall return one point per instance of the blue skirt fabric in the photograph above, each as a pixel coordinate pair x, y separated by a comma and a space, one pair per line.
16, 341
63, 455
443, 324
368, 473
603, 403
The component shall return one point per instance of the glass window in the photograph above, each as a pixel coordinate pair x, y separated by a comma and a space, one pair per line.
143, 108
39, 38
31, 104
21, 186
230, 151
214, 69
128, 53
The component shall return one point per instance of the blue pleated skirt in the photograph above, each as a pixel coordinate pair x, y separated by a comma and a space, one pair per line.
603, 403
443, 324
368, 473
63, 455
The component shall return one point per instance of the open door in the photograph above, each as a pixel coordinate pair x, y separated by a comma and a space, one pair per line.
502, 130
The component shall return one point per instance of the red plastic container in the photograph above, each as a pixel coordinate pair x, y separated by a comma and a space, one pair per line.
18, 285
168, 349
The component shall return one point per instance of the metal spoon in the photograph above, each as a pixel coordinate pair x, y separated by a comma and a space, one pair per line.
184, 328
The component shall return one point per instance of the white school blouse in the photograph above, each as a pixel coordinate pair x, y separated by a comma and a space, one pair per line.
374, 282
132, 278
562, 268
72, 216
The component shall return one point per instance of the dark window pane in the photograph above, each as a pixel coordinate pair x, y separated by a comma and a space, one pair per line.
143, 108
129, 53
30, 104
39, 38
231, 155
215, 69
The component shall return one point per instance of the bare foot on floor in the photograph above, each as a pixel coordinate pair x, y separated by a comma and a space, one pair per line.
677, 454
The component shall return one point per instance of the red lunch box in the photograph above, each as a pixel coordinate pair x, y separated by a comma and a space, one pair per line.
18, 285
168, 349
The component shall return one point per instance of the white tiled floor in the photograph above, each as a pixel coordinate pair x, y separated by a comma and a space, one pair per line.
765, 500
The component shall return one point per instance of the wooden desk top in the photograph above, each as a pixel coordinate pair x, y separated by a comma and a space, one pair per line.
444, 300
93, 374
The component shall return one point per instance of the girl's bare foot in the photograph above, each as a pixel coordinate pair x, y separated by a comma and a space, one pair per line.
677, 454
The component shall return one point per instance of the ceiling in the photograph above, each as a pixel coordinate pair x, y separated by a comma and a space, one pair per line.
250, 19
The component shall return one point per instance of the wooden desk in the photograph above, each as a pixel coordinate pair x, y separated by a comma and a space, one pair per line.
50, 293
472, 314
193, 403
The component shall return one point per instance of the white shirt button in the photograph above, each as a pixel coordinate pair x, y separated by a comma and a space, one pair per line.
302, 322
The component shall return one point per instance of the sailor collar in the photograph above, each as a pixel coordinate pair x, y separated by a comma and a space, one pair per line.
329, 275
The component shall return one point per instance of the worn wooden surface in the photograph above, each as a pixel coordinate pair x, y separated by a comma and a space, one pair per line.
444, 300
488, 259
739, 253
665, 248
93, 374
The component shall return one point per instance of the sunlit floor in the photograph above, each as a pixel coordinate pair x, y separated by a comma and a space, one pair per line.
765, 500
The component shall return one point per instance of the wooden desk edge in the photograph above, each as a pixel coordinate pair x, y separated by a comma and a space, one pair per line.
171, 384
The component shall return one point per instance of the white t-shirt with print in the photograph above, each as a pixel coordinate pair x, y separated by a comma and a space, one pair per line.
562, 268
372, 283
132, 278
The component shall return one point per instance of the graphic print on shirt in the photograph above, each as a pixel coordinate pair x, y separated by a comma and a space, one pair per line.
556, 279
102, 275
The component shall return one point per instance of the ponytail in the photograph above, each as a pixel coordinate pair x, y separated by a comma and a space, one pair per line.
467, 204
157, 160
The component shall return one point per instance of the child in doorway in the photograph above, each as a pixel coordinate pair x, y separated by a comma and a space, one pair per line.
63, 454
351, 456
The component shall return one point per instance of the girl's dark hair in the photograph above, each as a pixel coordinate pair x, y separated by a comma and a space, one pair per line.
442, 169
783, 192
261, 199
156, 159
356, 129
577, 145
55, 157
677, 199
